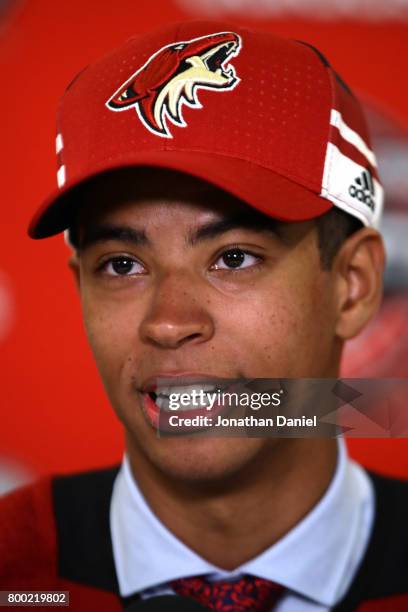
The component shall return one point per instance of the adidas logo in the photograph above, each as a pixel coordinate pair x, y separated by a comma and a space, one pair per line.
363, 189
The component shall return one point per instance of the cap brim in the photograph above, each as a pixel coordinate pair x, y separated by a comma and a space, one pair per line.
261, 188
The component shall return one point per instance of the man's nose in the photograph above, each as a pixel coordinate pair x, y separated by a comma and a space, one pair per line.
177, 315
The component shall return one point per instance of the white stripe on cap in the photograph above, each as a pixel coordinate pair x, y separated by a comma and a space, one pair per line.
351, 136
61, 178
339, 185
59, 144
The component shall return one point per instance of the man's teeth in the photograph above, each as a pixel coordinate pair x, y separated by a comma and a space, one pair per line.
198, 397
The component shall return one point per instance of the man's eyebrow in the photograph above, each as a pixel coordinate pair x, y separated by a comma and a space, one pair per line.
123, 233
213, 229
102, 233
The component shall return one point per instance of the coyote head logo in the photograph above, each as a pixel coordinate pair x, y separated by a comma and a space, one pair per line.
171, 77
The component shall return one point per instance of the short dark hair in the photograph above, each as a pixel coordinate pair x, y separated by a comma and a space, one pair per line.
333, 228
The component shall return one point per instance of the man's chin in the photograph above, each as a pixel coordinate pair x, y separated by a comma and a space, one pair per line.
195, 459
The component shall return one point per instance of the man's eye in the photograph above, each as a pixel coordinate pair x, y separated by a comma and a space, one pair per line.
122, 265
234, 259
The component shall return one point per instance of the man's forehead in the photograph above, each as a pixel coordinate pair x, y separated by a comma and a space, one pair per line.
129, 204
193, 229
142, 191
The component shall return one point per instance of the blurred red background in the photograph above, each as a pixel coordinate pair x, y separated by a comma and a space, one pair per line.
54, 413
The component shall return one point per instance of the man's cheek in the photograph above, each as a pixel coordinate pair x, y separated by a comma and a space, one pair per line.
288, 334
107, 340
260, 336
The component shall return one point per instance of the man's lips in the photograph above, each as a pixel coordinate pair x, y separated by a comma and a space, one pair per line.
151, 410
159, 418
179, 379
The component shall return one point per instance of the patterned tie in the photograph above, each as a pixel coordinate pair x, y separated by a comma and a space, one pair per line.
249, 594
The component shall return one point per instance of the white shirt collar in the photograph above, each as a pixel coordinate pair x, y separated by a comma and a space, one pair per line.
316, 559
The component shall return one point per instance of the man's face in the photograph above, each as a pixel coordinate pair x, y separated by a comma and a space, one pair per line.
183, 280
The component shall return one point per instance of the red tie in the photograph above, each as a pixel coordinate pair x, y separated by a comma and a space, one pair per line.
249, 594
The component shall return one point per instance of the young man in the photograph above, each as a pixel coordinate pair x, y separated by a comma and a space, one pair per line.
221, 197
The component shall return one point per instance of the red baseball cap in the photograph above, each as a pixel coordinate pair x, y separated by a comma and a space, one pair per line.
264, 118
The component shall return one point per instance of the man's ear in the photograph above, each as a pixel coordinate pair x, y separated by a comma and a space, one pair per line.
73, 263
358, 269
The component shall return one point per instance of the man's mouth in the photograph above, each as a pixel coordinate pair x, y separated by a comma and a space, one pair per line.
194, 396
182, 397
